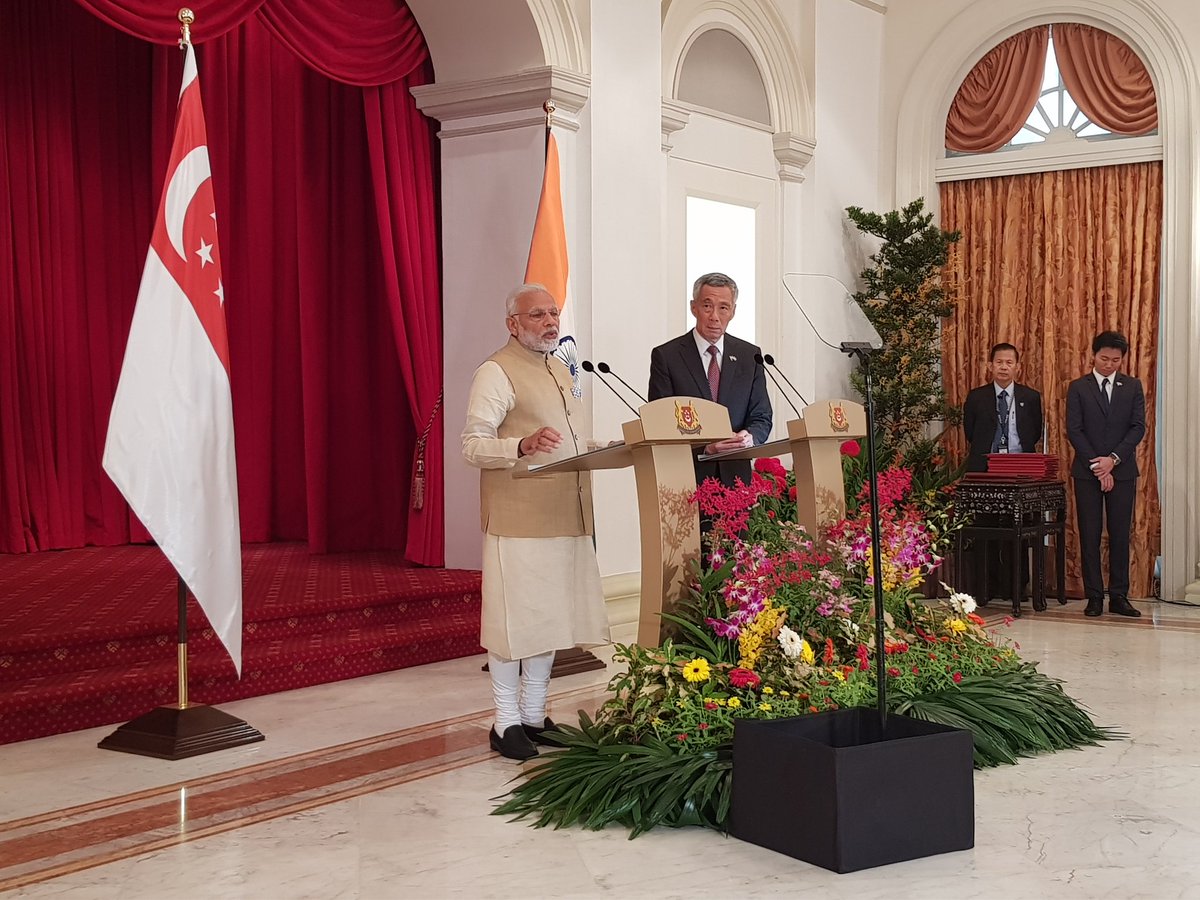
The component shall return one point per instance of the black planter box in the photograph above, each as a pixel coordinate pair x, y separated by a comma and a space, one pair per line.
831, 790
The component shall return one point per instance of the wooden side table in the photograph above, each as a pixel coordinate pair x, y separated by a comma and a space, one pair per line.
1018, 511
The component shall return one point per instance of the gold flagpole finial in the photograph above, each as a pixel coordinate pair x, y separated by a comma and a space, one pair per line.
548, 108
186, 18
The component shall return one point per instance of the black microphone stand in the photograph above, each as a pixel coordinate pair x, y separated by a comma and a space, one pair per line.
863, 353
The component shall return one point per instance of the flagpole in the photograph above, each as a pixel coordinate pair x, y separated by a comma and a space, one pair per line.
182, 730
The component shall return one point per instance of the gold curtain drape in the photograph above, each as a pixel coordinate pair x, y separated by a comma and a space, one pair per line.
1046, 262
997, 95
1106, 78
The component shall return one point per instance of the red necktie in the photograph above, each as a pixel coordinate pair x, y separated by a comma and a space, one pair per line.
714, 372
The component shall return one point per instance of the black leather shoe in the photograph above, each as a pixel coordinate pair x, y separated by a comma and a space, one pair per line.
514, 744
1094, 607
1122, 607
537, 735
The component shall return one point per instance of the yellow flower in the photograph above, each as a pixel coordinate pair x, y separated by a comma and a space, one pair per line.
768, 690
696, 670
785, 693
958, 626
806, 652
765, 707
734, 703
838, 674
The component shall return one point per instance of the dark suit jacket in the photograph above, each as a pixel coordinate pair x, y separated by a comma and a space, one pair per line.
676, 371
1095, 431
979, 421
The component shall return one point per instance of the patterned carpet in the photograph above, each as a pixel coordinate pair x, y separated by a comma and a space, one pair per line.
87, 637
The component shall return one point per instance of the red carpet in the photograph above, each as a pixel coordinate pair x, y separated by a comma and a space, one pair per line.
87, 637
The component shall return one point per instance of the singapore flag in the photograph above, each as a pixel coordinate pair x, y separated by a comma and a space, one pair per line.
170, 435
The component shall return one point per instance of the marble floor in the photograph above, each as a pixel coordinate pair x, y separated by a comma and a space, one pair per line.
382, 787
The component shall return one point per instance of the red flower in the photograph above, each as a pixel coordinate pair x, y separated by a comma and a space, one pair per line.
851, 448
971, 617
893, 671
828, 656
681, 737
957, 677
769, 465
916, 671
703, 726
792, 493
744, 678
812, 709
708, 704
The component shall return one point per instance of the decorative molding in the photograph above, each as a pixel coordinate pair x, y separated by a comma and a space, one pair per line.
1191, 594
675, 116
920, 145
879, 6
500, 104
1050, 156
793, 154
759, 26
562, 39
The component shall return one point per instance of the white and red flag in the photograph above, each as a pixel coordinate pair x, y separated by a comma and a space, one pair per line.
170, 435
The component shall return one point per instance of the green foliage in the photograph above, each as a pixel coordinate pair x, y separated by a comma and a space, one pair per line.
904, 299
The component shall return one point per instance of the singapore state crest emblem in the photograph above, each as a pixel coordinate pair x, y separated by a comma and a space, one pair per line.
837, 418
686, 418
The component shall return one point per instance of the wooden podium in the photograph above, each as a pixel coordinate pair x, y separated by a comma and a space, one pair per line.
659, 445
815, 442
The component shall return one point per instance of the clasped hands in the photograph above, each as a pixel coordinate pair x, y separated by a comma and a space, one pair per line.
1102, 467
739, 441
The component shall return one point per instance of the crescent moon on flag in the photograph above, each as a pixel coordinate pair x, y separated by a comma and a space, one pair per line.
193, 170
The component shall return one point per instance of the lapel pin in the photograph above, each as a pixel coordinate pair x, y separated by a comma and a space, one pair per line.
733, 359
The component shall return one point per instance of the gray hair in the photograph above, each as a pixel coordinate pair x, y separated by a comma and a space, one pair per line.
717, 280
510, 302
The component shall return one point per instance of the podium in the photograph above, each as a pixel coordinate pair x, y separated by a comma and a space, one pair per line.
659, 445
815, 442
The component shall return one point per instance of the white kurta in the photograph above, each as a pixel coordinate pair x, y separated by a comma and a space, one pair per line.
539, 594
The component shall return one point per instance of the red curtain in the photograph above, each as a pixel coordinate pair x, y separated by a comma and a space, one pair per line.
325, 191
1106, 78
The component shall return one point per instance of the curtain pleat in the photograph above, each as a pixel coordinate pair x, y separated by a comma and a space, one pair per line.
1106, 78
998, 94
1046, 262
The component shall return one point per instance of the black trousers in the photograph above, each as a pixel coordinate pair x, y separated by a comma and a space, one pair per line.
1095, 509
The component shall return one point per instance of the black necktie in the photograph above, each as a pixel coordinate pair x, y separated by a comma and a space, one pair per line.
1000, 442
1104, 393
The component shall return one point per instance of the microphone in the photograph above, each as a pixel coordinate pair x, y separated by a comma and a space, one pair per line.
770, 360
587, 366
759, 358
603, 367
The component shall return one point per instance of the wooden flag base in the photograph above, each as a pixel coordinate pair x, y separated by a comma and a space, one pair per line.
169, 732
573, 661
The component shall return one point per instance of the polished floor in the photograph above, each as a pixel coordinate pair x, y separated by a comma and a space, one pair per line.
381, 788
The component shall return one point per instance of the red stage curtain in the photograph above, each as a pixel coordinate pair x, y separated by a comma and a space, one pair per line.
997, 95
1106, 78
328, 397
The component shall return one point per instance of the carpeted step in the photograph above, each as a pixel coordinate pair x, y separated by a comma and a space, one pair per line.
116, 694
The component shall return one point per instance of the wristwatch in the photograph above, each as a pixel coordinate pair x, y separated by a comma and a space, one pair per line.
1116, 459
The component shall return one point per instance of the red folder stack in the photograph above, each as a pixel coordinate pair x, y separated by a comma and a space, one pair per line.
1019, 467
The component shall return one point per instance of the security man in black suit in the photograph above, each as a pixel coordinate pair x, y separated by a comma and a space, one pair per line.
712, 365
1001, 417
1106, 420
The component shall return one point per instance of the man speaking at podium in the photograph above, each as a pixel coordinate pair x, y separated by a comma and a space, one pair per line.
541, 582
712, 365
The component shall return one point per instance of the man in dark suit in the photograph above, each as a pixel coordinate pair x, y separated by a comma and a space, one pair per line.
1001, 417
712, 365
1106, 420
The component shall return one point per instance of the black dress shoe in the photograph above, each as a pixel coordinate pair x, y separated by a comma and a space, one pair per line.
538, 735
1094, 607
1122, 607
514, 744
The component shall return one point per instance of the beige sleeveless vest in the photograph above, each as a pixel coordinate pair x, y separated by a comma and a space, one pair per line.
558, 505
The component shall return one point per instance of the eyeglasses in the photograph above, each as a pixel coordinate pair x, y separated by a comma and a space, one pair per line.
538, 314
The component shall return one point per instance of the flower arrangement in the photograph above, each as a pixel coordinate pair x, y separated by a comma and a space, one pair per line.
781, 623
